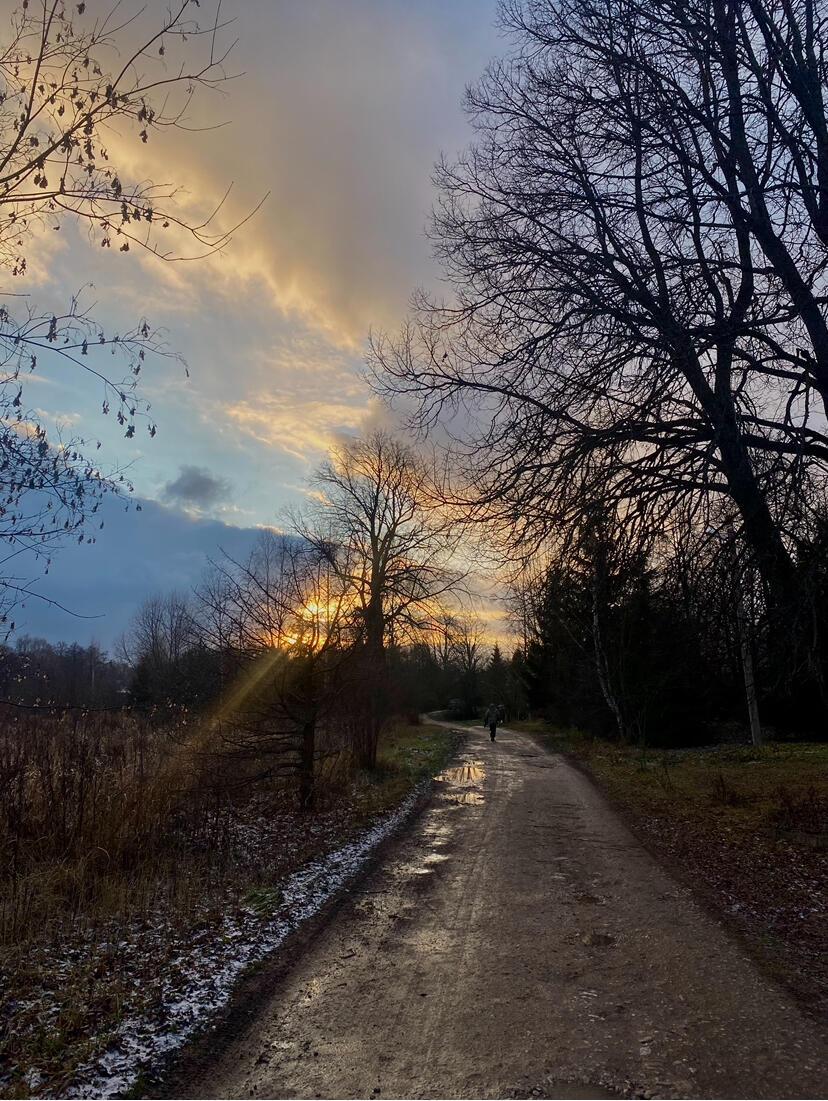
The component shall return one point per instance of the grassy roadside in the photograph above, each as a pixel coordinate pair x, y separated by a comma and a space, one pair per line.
65, 991
745, 827
407, 755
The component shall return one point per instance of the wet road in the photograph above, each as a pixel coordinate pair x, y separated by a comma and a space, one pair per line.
518, 939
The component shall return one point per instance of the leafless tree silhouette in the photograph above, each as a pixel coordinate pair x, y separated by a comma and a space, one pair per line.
75, 92
637, 246
392, 551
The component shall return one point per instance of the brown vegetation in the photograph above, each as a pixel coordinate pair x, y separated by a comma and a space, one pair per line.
129, 844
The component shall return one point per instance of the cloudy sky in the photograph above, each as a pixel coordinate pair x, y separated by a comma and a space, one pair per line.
341, 110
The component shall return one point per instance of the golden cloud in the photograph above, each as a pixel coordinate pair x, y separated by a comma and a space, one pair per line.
302, 430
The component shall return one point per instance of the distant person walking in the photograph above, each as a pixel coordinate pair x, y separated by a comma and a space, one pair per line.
492, 718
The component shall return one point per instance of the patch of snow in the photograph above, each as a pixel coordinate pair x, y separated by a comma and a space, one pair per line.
33, 1079
206, 973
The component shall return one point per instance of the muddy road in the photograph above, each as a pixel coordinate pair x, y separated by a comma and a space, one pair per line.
519, 941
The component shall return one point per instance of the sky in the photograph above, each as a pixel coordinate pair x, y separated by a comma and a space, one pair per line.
338, 115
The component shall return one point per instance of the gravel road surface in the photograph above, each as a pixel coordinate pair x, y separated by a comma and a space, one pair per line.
517, 942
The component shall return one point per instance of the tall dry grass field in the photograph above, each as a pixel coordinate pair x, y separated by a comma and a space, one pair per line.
98, 813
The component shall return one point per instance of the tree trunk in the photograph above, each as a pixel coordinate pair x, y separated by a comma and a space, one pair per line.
761, 532
747, 669
375, 681
307, 753
602, 664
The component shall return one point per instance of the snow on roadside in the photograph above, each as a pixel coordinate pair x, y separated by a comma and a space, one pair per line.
209, 971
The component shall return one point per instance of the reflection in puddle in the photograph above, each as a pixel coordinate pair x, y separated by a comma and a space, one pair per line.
468, 798
473, 773
425, 865
435, 858
469, 777
462, 787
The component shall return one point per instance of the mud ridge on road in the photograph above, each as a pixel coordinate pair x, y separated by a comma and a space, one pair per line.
517, 941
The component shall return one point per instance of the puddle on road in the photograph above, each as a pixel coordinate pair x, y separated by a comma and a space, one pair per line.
465, 780
473, 773
425, 865
468, 798
460, 787
464, 784
434, 858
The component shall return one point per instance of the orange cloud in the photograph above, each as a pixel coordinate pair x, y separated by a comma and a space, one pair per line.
300, 429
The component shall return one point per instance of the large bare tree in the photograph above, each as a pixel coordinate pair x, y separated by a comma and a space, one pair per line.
636, 245
374, 523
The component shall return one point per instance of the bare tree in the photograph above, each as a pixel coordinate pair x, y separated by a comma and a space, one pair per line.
635, 243
251, 605
70, 84
161, 631
283, 617
391, 551
469, 654
441, 638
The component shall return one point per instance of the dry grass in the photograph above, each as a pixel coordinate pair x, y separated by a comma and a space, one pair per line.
777, 790
124, 845
99, 814
407, 754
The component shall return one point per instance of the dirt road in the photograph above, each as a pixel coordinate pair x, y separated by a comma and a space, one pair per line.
519, 939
